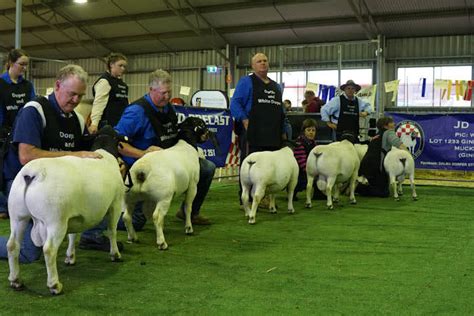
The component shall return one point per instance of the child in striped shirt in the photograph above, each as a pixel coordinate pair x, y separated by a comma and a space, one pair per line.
304, 144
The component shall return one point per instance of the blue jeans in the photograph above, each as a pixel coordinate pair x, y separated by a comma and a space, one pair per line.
206, 174
28, 251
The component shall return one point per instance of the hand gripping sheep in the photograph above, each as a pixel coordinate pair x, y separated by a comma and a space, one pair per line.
160, 175
397, 164
65, 195
270, 172
332, 164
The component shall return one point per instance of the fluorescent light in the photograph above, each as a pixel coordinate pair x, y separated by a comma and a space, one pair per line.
80, 1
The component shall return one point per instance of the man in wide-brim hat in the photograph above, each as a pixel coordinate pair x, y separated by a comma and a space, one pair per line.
342, 112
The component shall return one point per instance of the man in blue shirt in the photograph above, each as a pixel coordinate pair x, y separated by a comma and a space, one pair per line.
47, 128
150, 123
257, 108
342, 113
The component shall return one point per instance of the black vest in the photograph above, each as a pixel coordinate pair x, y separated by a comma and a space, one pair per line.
372, 163
13, 97
164, 124
266, 116
61, 133
348, 116
117, 102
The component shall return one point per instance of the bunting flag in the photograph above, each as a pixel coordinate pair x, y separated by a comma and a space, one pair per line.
468, 93
445, 86
392, 86
367, 94
461, 87
332, 92
312, 87
423, 87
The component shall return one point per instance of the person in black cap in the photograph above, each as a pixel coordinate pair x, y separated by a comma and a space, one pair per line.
342, 113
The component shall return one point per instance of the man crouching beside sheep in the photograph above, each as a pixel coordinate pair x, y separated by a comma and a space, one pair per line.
46, 190
151, 124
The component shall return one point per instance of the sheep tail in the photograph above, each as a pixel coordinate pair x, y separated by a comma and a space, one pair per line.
403, 161
141, 176
317, 155
28, 180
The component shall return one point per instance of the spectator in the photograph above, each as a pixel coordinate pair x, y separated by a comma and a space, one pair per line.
110, 94
15, 92
371, 166
342, 112
288, 127
304, 144
314, 103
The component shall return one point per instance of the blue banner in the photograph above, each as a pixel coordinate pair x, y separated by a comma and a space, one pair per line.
218, 122
438, 141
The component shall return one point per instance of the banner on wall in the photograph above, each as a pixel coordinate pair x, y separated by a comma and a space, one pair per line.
220, 123
438, 141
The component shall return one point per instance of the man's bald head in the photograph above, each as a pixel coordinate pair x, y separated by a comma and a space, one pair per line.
260, 65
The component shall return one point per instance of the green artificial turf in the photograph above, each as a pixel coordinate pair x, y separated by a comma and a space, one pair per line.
377, 257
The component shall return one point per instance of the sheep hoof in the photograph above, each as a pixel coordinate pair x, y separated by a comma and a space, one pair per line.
273, 210
353, 202
56, 289
188, 230
70, 260
17, 285
397, 199
163, 246
133, 240
400, 192
291, 211
252, 220
415, 198
116, 258
335, 201
308, 205
330, 207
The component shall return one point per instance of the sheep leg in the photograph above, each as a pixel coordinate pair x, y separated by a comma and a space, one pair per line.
71, 250
331, 181
291, 192
273, 209
245, 199
352, 186
393, 184
55, 235
159, 219
336, 192
400, 183
258, 195
309, 190
17, 227
190, 195
113, 215
412, 185
127, 219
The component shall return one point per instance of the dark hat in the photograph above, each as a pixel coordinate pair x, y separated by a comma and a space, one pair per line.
350, 83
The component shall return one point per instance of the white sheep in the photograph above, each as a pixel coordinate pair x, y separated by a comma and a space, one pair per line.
268, 172
332, 164
397, 164
159, 176
63, 195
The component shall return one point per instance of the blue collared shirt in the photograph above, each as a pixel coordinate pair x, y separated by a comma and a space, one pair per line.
330, 111
28, 129
137, 127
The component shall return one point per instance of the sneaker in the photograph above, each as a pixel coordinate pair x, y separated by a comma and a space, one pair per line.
196, 220
101, 243
265, 202
199, 220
